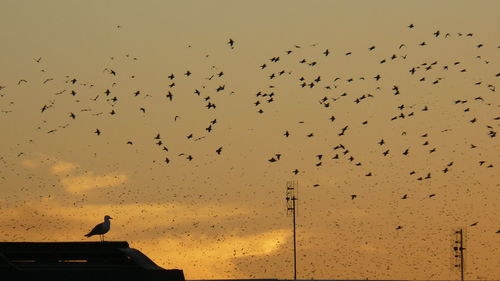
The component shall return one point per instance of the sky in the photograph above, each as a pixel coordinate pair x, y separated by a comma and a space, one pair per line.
184, 121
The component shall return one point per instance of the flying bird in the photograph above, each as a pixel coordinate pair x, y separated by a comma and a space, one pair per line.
169, 96
231, 43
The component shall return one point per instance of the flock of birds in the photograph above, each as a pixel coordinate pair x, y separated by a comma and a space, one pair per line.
299, 68
331, 91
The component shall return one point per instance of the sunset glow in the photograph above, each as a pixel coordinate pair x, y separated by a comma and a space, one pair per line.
184, 120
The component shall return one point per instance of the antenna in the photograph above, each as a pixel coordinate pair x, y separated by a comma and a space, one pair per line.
458, 251
292, 193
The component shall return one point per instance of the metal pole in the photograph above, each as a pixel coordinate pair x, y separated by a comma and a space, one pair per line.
461, 256
291, 206
295, 243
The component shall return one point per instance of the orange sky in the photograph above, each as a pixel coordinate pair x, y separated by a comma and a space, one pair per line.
223, 215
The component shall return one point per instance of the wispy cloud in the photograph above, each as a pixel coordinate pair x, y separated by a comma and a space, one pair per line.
89, 181
215, 256
63, 167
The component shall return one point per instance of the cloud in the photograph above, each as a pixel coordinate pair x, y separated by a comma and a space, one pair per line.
214, 257
89, 181
63, 167
30, 163
130, 221
70, 180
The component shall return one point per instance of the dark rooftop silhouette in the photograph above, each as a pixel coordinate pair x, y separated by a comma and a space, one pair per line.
79, 261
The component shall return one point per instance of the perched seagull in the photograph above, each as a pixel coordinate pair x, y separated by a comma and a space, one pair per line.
101, 228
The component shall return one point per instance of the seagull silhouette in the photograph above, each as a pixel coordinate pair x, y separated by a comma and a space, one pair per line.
101, 228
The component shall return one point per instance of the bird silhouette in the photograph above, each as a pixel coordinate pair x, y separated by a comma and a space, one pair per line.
219, 150
231, 43
101, 228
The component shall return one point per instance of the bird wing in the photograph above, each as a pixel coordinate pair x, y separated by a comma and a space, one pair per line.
97, 230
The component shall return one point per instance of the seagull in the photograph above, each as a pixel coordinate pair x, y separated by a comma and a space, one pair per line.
101, 228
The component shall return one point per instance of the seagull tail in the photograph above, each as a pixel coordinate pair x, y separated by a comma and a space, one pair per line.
88, 235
